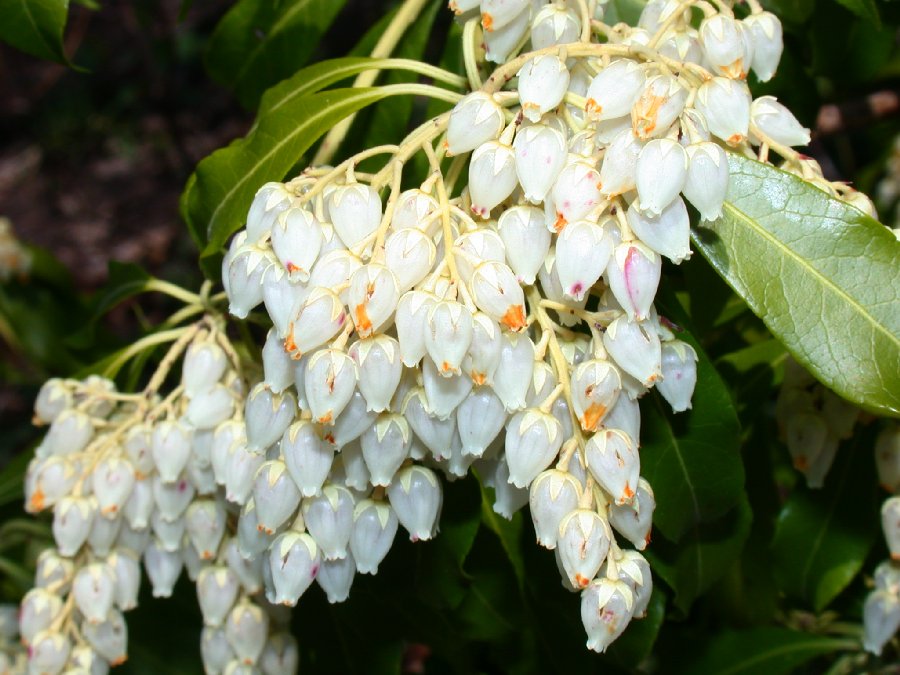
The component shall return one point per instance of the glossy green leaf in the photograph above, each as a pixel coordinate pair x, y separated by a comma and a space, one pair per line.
820, 274
703, 555
763, 651
692, 459
822, 537
258, 43
35, 26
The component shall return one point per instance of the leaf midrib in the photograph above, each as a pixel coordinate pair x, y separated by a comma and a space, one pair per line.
789, 254
276, 27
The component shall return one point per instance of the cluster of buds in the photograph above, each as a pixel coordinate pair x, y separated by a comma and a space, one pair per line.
130, 479
511, 327
812, 421
881, 612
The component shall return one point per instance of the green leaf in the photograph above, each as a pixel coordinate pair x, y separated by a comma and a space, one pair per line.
215, 202
764, 651
259, 42
692, 459
822, 537
866, 9
820, 274
35, 26
125, 281
691, 566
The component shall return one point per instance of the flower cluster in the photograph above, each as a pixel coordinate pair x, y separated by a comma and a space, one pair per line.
510, 327
130, 478
881, 612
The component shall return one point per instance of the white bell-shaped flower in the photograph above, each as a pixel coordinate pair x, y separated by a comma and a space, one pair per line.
307, 456
217, 589
543, 82
278, 370
243, 463
583, 543
374, 527
448, 335
679, 374
355, 419
682, 45
37, 612
483, 357
168, 534
540, 155
210, 408
615, 90
634, 571
526, 240
203, 366
270, 200
282, 298
479, 420
583, 251
53, 397
140, 504
329, 519
496, 14
667, 233
443, 393
507, 497
333, 271
476, 247
251, 541
595, 387
500, 42
410, 255
543, 384
552, 496
606, 610
170, 446
330, 381
246, 628
112, 480
555, 25
411, 320
768, 43
281, 655
52, 569
379, 368
72, 521
514, 372
575, 194
660, 174
635, 520
635, 349
707, 179
69, 434
127, 572
355, 211
890, 525
48, 481
163, 569
275, 494
373, 297
205, 525
435, 433
770, 120
725, 104
533, 439
296, 241
613, 461
336, 577
244, 271
497, 293
658, 106
104, 534
413, 207
633, 275
618, 171
415, 496
320, 319
48, 652
385, 445
725, 47
881, 620
476, 119
267, 415
492, 176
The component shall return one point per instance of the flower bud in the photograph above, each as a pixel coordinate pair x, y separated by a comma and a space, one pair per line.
615, 90
244, 271
282, 298
37, 612
498, 294
163, 569
53, 398
443, 393
246, 629
373, 298
583, 251
275, 494
210, 408
483, 357
243, 463
768, 44
725, 104
479, 419
251, 540
217, 589
296, 241
126, 571
170, 446
583, 543
413, 207
595, 388
103, 534
770, 120
204, 365
725, 46
554, 25
353, 466
329, 384
385, 445
448, 335
533, 439
434, 432
881, 620
374, 527
543, 82
634, 571
336, 577
411, 320
270, 201
215, 650
679, 374
409, 254
514, 373
617, 173
416, 496
379, 368
355, 419
606, 609
492, 176
248, 571
278, 370
540, 154
613, 461
320, 318
280, 655
635, 349
500, 41
68, 434
526, 240
658, 106
633, 275
475, 120
552, 496
355, 211
267, 415
72, 520
329, 519
53, 570
660, 173
112, 480
575, 194
48, 653
707, 179
634, 521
